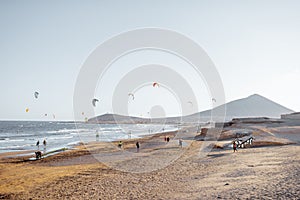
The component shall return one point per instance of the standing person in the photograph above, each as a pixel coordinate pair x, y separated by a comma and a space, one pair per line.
168, 139
45, 144
234, 146
180, 143
165, 138
38, 144
120, 144
97, 136
137, 144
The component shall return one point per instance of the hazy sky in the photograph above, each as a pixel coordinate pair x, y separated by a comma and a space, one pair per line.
255, 46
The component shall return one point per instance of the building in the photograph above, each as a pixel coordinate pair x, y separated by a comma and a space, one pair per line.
295, 115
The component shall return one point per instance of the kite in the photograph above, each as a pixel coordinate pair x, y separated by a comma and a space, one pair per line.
155, 84
36, 94
130, 94
94, 102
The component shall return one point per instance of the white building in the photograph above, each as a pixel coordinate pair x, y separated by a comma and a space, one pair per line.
295, 115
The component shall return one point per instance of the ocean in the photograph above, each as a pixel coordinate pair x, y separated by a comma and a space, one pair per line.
23, 135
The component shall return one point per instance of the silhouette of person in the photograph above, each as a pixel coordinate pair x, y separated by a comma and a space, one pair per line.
137, 144
120, 145
38, 144
180, 142
234, 146
45, 144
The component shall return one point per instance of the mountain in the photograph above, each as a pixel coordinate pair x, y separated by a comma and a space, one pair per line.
115, 118
122, 119
252, 106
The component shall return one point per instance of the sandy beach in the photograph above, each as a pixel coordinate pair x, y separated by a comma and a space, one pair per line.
160, 170
149, 100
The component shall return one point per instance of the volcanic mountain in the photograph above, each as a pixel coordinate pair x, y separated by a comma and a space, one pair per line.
252, 106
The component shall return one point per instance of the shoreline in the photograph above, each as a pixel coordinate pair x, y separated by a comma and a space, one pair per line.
31, 148
25, 155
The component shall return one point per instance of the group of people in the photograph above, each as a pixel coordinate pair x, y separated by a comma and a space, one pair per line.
38, 153
241, 144
44, 143
137, 144
180, 142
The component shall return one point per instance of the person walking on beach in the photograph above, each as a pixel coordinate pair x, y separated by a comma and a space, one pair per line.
45, 144
137, 144
234, 146
180, 143
38, 144
97, 136
120, 145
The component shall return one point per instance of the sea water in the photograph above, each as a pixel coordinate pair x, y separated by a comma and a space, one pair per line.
23, 135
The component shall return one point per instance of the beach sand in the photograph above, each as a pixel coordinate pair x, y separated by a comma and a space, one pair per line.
159, 171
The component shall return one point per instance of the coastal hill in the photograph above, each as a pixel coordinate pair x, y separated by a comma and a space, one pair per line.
115, 118
252, 106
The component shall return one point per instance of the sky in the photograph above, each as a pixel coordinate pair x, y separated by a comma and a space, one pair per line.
254, 45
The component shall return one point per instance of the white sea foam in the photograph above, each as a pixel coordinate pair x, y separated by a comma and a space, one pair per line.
24, 135
68, 131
